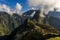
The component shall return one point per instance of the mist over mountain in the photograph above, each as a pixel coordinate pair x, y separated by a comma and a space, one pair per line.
27, 24
29, 19
52, 18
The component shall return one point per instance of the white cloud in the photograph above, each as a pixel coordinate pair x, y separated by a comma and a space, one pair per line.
6, 8
33, 2
40, 2
46, 5
18, 8
1, 7
57, 4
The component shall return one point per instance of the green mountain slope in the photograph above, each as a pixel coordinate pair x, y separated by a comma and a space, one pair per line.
31, 30
8, 23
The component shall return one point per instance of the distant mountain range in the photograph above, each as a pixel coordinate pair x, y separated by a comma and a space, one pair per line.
9, 22
29, 26
54, 13
52, 18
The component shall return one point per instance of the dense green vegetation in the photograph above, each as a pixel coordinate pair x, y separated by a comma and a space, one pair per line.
8, 23
56, 38
31, 29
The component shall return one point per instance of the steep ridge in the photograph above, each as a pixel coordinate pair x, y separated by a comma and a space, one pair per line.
9, 22
29, 30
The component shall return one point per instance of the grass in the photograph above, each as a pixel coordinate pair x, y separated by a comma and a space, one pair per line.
56, 38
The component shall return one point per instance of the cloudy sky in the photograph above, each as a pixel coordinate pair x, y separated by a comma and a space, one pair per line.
23, 5
13, 5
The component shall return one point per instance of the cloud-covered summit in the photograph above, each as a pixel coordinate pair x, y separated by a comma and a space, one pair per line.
44, 5
6, 8
17, 8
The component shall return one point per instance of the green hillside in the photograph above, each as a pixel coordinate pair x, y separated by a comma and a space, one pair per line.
7, 23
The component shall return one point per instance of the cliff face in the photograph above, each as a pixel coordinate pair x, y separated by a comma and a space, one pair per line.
9, 22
